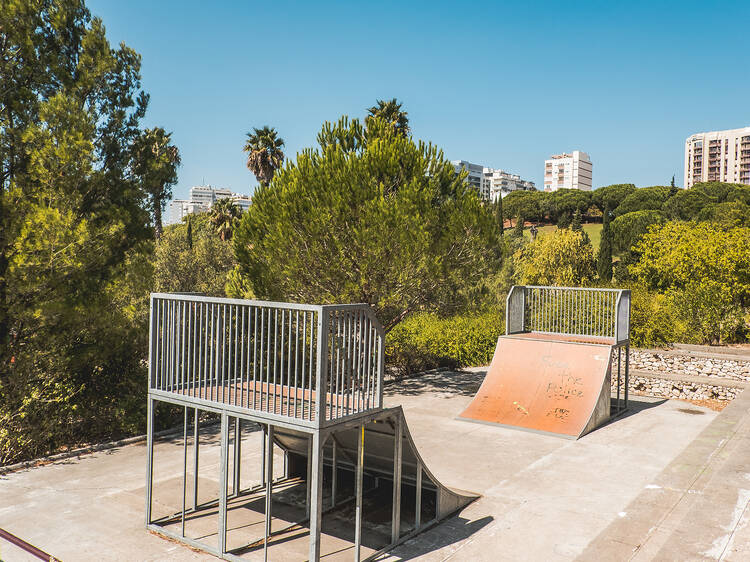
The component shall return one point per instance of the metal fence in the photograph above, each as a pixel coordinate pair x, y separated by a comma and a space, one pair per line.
574, 311
307, 362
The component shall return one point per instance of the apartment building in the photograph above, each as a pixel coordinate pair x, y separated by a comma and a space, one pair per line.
202, 198
718, 156
491, 183
476, 178
502, 183
568, 171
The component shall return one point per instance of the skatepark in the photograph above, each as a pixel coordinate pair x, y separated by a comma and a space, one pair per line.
662, 479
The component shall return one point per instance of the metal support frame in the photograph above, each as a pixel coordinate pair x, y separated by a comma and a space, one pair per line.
205, 352
268, 453
237, 456
397, 452
316, 494
358, 491
223, 483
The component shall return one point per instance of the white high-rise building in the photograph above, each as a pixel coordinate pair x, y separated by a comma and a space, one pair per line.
476, 178
502, 183
202, 198
489, 182
568, 171
718, 156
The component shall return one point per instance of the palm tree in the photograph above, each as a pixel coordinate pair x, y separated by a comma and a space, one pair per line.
155, 164
390, 111
264, 155
224, 213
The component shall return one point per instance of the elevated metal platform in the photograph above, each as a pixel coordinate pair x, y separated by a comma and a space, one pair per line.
311, 377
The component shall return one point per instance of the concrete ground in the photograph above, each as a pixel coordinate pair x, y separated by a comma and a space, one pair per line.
666, 482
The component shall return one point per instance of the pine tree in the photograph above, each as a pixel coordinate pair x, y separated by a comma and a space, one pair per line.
499, 214
575, 224
518, 230
604, 259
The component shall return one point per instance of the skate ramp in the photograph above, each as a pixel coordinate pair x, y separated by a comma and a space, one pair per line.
379, 436
546, 385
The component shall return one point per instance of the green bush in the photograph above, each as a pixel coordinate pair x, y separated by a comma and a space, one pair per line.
653, 322
425, 341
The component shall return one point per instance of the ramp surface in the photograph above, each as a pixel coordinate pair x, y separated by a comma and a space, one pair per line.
546, 385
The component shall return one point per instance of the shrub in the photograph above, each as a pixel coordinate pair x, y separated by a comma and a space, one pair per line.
705, 273
562, 257
653, 322
425, 341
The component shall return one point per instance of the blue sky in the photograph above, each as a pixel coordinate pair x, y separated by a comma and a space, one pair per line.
496, 83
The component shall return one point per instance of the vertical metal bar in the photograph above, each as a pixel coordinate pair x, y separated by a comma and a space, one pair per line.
150, 457
296, 363
418, 504
263, 457
255, 354
180, 382
196, 429
269, 490
619, 361
368, 363
223, 351
223, 483
308, 482
275, 354
381, 367
358, 487
310, 366
303, 371
268, 363
237, 312
334, 472
316, 499
627, 372
397, 450
184, 469
237, 455
243, 363
152, 352
288, 384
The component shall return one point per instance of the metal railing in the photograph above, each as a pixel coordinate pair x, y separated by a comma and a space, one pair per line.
573, 311
307, 362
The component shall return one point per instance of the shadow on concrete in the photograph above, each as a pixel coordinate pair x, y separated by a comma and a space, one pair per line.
448, 532
635, 406
462, 383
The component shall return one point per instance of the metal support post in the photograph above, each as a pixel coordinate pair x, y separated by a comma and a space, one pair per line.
334, 476
397, 449
316, 495
619, 362
196, 427
309, 476
237, 454
150, 457
184, 469
418, 504
358, 487
627, 372
269, 489
223, 483
263, 458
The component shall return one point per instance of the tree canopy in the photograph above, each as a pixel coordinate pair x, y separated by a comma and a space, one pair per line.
368, 216
264, 154
74, 219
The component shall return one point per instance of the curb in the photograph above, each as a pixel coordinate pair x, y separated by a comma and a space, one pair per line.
83, 451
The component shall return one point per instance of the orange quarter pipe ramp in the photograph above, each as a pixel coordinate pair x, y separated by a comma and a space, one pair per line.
546, 385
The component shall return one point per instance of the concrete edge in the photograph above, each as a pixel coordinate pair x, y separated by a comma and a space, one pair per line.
33, 463
697, 379
702, 352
